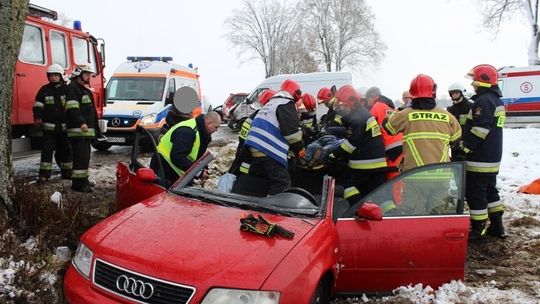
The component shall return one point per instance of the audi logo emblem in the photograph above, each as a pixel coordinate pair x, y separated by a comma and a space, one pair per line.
115, 122
135, 287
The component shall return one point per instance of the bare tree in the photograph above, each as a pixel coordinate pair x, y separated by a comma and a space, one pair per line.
266, 30
12, 14
345, 33
495, 12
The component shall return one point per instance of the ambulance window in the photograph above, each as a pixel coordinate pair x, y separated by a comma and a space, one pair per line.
59, 49
32, 45
83, 54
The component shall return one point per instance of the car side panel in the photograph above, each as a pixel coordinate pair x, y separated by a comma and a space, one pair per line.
305, 265
379, 256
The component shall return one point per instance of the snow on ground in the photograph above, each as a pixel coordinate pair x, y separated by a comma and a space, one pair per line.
520, 165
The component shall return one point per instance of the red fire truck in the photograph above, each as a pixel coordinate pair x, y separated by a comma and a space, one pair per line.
44, 42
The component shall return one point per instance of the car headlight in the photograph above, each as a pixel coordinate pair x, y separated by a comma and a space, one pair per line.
148, 119
239, 296
83, 259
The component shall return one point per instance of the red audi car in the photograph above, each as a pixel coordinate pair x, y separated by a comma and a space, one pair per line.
185, 245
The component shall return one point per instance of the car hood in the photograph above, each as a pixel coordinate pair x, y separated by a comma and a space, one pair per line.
191, 242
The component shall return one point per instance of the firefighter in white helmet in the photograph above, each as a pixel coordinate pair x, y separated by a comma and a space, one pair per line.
460, 108
49, 115
82, 125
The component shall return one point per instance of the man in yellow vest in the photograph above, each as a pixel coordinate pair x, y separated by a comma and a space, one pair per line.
183, 144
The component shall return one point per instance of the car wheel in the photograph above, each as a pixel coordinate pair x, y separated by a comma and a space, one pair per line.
100, 146
321, 294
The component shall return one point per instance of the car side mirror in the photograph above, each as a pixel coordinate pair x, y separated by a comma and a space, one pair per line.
369, 211
146, 175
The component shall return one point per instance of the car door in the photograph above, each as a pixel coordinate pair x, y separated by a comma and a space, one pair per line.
422, 237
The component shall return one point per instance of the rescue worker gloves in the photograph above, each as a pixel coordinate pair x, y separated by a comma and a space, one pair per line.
261, 226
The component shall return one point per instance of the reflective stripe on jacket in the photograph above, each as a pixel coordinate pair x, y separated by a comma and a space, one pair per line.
426, 134
165, 144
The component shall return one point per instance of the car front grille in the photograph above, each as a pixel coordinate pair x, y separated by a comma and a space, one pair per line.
112, 278
120, 122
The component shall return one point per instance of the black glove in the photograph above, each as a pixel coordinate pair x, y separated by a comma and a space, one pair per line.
261, 226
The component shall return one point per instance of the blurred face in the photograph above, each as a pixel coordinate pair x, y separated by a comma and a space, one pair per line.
211, 127
85, 77
406, 97
455, 95
54, 78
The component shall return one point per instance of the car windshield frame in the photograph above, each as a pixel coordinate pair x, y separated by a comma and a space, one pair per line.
246, 202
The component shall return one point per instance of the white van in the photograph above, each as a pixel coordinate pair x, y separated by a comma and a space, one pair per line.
520, 87
140, 93
309, 83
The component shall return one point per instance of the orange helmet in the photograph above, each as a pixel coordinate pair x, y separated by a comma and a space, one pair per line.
348, 95
423, 86
265, 96
324, 95
292, 87
309, 102
484, 75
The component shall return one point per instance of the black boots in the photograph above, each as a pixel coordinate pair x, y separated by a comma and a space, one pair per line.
496, 227
478, 231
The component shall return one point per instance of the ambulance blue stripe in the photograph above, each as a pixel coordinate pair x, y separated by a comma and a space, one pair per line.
520, 100
163, 113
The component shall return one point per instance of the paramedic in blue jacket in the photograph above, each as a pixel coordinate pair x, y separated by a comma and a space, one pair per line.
274, 131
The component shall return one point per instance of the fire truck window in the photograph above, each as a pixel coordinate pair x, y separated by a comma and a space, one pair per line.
32, 45
84, 53
58, 49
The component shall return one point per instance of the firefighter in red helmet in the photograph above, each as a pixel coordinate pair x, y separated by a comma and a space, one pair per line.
363, 147
427, 131
482, 143
274, 132
308, 118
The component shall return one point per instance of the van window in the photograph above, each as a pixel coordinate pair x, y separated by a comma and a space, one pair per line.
59, 49
83, 53
172, 86
32, 45
135, 88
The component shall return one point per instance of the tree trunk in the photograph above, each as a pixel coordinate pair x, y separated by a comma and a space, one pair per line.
12, 15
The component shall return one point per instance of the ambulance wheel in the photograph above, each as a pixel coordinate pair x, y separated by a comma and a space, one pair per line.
100, 146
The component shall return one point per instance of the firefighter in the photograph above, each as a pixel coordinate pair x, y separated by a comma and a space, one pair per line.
460, 108
363, 148
274, 131
49, 114
308, 118
82, 125
326, 96
393, 144
482, 143
427, 133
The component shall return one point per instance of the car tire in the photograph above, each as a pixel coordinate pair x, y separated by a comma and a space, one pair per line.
100, 146
321, 294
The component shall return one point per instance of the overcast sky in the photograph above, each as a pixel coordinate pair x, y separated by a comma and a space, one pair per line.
441, 38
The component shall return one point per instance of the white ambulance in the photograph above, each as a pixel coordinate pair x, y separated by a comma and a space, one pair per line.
309, 83
520, 87
140, 93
